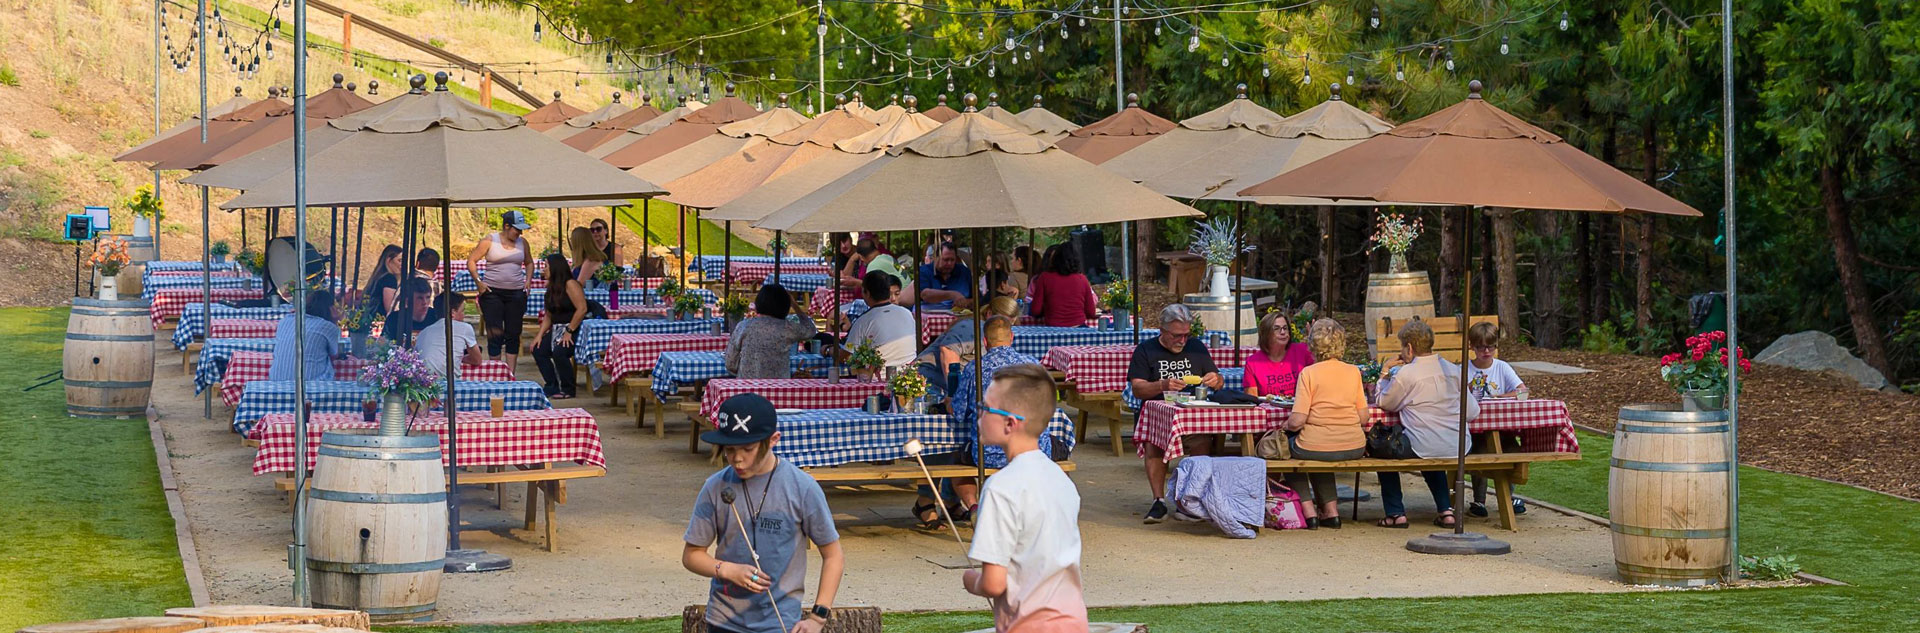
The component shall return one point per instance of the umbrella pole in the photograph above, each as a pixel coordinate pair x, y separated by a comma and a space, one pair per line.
680, 213
243, 230
1133, 242
1733, 295
409, 240
359, 246
458, 560
777, 257
646, 244
300, 412
979, 355
1239, 283
727, 289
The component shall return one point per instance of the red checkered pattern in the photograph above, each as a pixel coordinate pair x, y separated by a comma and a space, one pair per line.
245, 367
791, 393
934, 324
169, 303
822, 304
1103, 368
518, 438
754, 272
636, 353
1540, 425
242, 328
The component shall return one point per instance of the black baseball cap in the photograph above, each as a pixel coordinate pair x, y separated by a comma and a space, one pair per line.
743, 419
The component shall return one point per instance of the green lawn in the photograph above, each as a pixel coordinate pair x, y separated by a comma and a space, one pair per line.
87, 535
664, 228
84, 529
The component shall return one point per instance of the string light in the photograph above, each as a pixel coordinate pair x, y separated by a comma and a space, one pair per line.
1503, 44
1156, 29
1400, 71
1449, 60
1373, 19
1306, 69
1563, 19
1349, 76
536, 30
1223, 60
1193, 43
1266, 71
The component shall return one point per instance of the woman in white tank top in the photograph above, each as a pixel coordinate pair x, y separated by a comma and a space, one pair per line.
503, 285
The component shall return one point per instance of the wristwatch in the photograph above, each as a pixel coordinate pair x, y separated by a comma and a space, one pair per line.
822, 612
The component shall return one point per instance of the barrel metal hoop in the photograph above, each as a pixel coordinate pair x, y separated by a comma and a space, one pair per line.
128, 410
1402, 281
370, 440
385, 456
1672, 430
1670, 467
1667, 572
1399, 304
1644, 413
1634, 530
377, 497
127, 313
376, 568
111, 338
112, 384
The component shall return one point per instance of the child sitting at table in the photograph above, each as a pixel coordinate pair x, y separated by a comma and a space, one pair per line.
1489, 377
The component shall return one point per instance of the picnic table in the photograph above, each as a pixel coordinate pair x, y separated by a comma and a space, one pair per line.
1540, 425
245, 367
537, 301
596, 335
156, 283
791, 393
215, 354
637, 353
177, 303
185, 266
1103, 368
756, 272
517, 438
676, 370
834, 437
265, 397
822, 303
715, 265
935, 324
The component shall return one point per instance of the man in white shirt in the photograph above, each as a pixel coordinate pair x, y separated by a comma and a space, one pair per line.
887, 326
432, 342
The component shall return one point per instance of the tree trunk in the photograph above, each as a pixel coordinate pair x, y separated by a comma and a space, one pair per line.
1484, 294
1447, 299
1853, 281
1506, 273
1600, 291
1642, 228
1547, 266
1583, 261
1144, 250
1329, 284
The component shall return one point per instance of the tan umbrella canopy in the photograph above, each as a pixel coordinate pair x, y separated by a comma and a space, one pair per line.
554, 113
244, 172
187, 143
692, 127
637, 132
277, 126
190, 126
1472, 154
973, 172
726, 179
940, 112
439, 149
858, 107
610, 129
1045, 123
1274, 149
1195, 137
1002, 116
849, 154
725, 141
1100, 141
885, 114
580, 123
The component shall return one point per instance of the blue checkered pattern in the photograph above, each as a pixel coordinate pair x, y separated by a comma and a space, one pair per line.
537, 298
177, 266
193, 324
801, 283
680, 369
154, 284
463, 282
214, 354
1231, 376
264, 397
596, 335
715, 265
812, 439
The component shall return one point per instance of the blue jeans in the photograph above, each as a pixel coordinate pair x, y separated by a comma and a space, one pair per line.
1436, 483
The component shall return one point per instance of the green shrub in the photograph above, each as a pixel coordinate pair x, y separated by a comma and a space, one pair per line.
436, 42
8, 77
1604, 338
1769, 568
39, 134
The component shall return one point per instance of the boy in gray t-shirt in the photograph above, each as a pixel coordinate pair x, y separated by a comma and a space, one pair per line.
760, 504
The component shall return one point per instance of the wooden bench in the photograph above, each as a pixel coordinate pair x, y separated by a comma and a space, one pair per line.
1506, 469
548, 478
901, 472
1448, 337
1106, 405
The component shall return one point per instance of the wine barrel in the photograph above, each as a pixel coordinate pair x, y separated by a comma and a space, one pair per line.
1217, 314
377, 524
1399, 296
1667, 495
142, 249
107, 362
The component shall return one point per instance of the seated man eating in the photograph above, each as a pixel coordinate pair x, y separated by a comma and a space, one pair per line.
1162, 365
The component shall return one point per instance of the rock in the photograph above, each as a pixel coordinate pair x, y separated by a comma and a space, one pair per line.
1818, 351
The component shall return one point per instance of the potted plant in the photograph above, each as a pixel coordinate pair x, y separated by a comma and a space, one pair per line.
1199, 330
669, 290
734, 307
1213, 240
399, 379
777, 246
610, 277
1394, 233
908, 387
109, 256
219, 251
1699, 374
1118, 297
146, 209
356, 317
865, 361
1370, 378
686, 305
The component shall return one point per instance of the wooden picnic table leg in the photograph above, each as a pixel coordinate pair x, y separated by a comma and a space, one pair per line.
553, 531
533, 499
693, 435
659, 415
613, 392
1246, 445
1503, 489
1113, 433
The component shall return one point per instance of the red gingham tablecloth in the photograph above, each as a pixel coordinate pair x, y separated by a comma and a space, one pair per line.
1103, 368
242, 328
822, 303
636, 353
245, 367
934, 324
755, 272
791, 393
518, 438
1540, 425
168, 303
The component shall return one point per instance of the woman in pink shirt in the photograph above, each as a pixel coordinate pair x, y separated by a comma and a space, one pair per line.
1061, 296
1277, 365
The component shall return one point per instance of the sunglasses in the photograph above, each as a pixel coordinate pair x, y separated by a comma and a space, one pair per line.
599, 229
1016, 417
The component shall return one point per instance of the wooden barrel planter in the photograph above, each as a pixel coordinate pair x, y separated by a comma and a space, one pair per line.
142, 249
1399, 296
233, 615
693, 619
107, 362
377, 520
150, 624
1217, 313
1667, 495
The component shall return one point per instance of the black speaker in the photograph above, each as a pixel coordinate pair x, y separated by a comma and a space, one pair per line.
283, 265
1091, 247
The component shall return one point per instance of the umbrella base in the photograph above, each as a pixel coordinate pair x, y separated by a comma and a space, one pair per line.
1464, 544
472, 561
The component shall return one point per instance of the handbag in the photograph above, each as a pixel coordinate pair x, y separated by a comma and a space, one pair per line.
1389, 441
1274, 445
1284, 511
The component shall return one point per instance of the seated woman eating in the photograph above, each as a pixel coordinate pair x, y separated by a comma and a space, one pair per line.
1329, 413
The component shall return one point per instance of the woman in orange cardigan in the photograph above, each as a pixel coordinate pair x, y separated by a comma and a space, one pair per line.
1328, 419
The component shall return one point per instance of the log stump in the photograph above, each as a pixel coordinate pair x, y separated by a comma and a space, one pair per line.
235, 615
150, 624
845, 620
280, 628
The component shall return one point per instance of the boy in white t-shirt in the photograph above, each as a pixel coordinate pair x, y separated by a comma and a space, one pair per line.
1489, 377
432, 340
1026, 534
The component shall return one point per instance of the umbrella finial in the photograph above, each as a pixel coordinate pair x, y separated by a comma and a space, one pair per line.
352, 87
337, 79
783, 99
1036, 101
236, 91
1133, 99
1240, 91
373, 87
1473, 89
273, 92
683, 101
616, 96
971, 101
730, 88
556, 95
894, 100
943, 99
840, 101
1335, 90
913, 103
417, 85
646, 99
440, 81
993, 100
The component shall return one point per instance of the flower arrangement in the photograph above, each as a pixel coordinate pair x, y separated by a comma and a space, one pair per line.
687, 304
549, 251
109, 255
908, 385
865, 357
734, 306
220, 249
1199, 327
1370, 372
1394, 233
1117, 296
777, 246
609, 274
144, 204
1699, 369
356, 314
670, 289
1214, 241
250, 261
401, 372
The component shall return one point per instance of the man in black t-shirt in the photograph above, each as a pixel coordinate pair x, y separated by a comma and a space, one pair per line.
422, 313
1161, 365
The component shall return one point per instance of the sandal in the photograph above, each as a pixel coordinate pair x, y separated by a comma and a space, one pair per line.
961, 514
1445, 520
1395, 521
926, 524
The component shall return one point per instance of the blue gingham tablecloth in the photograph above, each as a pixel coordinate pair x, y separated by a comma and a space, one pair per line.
1232, 376
802, 283
596, 335
193, 324
214, 354
537, 298
678, 369
153, 283
832, 437
716, 265
263, 397
178, 266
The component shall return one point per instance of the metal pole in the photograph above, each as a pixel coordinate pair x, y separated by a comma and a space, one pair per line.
685, 257
778, 259
820, 54
1733, 294
728, 288
206, 229
1133, 280
299, 301
359, 246
403, 303
646, 246
1466, 310
1239, 283
1120, 105
156, 113
980, 353
450, 403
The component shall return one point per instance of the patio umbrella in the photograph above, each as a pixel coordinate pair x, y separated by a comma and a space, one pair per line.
276, 126
716, 143
693, 127
1002, 116
1196, 137
554, 113
1100, 141
858, 108
728, 178
189, 126
612, 128
184, 144
580, 123
1048, 125
849, 155
244, 172
635, 133
892, 109
940, 112
1273, 149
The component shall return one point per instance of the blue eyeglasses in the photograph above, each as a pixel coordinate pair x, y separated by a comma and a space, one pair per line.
1017, 417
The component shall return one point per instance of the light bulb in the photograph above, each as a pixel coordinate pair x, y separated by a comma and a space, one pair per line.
783, 29
1503, 45
770, 77
1063, 33
949, 85
1266, 71
909, 50
1156, 29
1193, 43
1399, 72
889, 65
1013, 59
536, 31
1563, 20
1083, 21
1349, 77
1306, 77
1043, 47
1373, 19
1449, 61
821, 28
1009, 41
840, 64
1223, 60
989, 71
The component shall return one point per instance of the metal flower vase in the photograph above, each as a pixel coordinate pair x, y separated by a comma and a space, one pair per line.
357, 343
1217, 283
1703, 400
109, 288
393, 415
1397, 262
